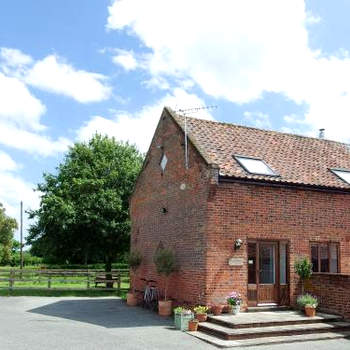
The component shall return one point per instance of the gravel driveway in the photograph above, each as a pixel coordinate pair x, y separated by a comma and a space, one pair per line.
37, 323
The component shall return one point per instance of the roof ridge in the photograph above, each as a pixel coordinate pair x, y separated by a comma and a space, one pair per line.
260, 129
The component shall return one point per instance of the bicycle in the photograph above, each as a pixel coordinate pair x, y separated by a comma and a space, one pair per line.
150, 295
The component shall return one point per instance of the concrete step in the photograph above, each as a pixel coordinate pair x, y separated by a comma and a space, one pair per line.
268, 340
265, 319
271, 331
264, 308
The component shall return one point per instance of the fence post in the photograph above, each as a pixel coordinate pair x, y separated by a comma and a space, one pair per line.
88, 279
119, 283
49, 282
12, 279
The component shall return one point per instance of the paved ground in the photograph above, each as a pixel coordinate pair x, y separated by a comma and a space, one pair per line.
36, 323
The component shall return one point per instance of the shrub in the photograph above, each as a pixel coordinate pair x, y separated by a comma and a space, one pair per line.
180, 310
307, 300
164, 260
200, 309
303, 268
135, 260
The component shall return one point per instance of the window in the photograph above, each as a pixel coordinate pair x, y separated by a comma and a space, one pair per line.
163, 162
255, 166
343, 174
325, 257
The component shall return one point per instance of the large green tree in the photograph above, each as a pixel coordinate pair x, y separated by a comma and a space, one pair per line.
7, 227
84, 210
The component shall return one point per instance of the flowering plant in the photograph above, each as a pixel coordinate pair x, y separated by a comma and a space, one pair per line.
234, 298
200, 309
180, 310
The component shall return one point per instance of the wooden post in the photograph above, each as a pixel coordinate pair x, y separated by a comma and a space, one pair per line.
11, 279
21, 233
119, 283
88, 279
49, 281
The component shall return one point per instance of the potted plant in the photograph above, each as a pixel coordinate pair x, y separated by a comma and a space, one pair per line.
181, 317
164, 260
193, 325
135, 260
201, 313
303, 268
234, 301
217, 309
309, 303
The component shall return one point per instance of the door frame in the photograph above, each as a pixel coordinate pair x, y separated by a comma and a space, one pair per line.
278, 285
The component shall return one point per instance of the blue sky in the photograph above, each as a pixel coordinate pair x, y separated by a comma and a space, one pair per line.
71, 68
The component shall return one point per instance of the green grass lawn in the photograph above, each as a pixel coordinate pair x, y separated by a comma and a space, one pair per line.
61, 293
33, 283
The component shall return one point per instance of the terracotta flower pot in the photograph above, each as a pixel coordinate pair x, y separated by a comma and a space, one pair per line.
193, 325
165, 307
131, 299
216, 309
310, 311
201, 317
226, 309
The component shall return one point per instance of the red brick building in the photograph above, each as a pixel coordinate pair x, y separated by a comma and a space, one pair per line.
239, 207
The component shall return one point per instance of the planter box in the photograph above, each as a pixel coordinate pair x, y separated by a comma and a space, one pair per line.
181, 321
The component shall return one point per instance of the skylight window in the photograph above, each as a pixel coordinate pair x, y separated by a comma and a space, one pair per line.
344, 174
255, 166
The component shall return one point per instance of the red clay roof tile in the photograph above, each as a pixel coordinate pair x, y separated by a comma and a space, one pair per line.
296, 159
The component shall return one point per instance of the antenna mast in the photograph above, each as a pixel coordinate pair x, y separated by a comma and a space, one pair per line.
185, 112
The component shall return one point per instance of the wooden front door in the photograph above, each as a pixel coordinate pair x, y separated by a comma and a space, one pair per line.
267, 273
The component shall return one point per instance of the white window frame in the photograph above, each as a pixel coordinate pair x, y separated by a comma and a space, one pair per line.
237, 157
336, 172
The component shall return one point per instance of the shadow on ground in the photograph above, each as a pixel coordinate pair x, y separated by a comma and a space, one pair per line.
109, 313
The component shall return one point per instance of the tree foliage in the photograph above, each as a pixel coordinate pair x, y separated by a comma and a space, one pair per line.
303, 267
7, 227
164, 259
84, 210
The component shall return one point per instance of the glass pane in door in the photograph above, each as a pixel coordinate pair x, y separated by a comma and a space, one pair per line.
267, 264
251, 263
283, 263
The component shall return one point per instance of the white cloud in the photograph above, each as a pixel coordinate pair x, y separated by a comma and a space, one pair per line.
258, 119
53, 74
18, 105
20, 125
138, 128
126, 59
14, 189
233, 52
14, 58
7, 163
30, 142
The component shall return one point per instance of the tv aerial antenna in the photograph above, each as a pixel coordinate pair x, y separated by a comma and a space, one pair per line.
185, 113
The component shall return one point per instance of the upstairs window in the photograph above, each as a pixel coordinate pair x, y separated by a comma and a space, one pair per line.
163, 162
255, 166
325, 257
344, 174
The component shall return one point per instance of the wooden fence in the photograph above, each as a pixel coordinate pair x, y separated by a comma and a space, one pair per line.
64, 279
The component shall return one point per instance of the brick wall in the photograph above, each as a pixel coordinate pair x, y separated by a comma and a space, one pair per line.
333, 292
183, 226
248, 211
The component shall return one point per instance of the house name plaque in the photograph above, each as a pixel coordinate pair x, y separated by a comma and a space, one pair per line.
236, 262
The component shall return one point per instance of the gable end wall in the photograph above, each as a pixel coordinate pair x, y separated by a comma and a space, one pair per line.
183, 226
